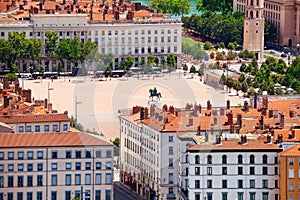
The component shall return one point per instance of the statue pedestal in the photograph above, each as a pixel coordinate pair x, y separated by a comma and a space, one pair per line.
156, 103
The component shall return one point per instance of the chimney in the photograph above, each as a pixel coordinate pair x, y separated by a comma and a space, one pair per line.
152, 110
268, 139
231, 128
172, 110
239, 120
292, 133
228, 104
198, 130
5, 101
5, 82
229, 118
191, 120
243, 139
91, 13
264, 110
280, 139
282, 121
25, 2
271, 114
208, 105
293, 114
165, 108
141, 113
246, 106
200, 108
195, 111
50, 107
212, 131
255, 100
45, 103
261, 122
16, 87
135, 109
206, 137
28, 96
218, 139
146, 113
265, 102
40, 6
215, 121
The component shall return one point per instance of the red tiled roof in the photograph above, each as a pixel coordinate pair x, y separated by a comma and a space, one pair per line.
293, 151
234, 145
34, 118
14, 140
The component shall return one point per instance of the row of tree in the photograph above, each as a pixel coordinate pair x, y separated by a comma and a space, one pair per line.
216, 27
272, 71
174, 7
194, 49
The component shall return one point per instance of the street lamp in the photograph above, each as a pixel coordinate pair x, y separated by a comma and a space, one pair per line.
76, 103
49, 91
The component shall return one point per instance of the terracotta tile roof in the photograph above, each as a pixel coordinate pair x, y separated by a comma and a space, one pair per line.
50, 5
293, 151
34, 118
14, 140
234, 145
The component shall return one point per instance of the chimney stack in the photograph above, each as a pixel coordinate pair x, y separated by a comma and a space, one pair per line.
5, 101
268, 139
16, 87
261, 122
146, 113
229, 118
255, 100
265, 102
264, 110
191, 121
218, 139
45, 103
198, 130
141, 113
28, 96
200, 108
280, 139
239, 120
206, 137
172, 110
282, 121
231, 128
152, 110
165, 108
246, 106
271, 113
5, 82
208, 105
228, 104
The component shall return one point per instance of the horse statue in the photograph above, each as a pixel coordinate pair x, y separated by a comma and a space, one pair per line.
154, 93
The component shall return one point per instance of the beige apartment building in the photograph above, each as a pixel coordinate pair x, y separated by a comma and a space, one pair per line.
284, 15
55, 166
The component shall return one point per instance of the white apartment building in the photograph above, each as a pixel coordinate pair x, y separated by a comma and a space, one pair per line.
55, 166
137, 38
149, 155
233, 169
29, 123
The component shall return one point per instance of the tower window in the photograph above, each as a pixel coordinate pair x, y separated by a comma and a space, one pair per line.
256, 23
256, 31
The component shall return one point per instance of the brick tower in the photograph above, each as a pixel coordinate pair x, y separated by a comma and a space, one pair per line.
254, 28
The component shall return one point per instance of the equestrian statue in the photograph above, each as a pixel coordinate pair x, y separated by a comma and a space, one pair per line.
154, 93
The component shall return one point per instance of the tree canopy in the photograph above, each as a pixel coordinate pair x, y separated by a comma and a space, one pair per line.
174, 7
223, 6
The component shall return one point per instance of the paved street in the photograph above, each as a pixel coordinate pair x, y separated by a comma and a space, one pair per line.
121, 192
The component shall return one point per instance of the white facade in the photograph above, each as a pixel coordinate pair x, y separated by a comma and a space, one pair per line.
56, 172
136, 38
149, 160
226, 176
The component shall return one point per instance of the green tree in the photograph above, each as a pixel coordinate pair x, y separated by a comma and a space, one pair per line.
5, 51
242, 78
207, 45
193, 69
16, 47
151, 59
116, 142
171, 60
212, 55
223, 79
224, 6
51, 43
174, 7
237, 86
32, 50
129, 61
185, 67
12, 77
229, 83
245, 87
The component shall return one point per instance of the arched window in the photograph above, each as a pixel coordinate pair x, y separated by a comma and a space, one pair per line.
240, 159
209, 159
251, 2
252, 159
197, 159
251, 14
265, 159
257, 2
224, 159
